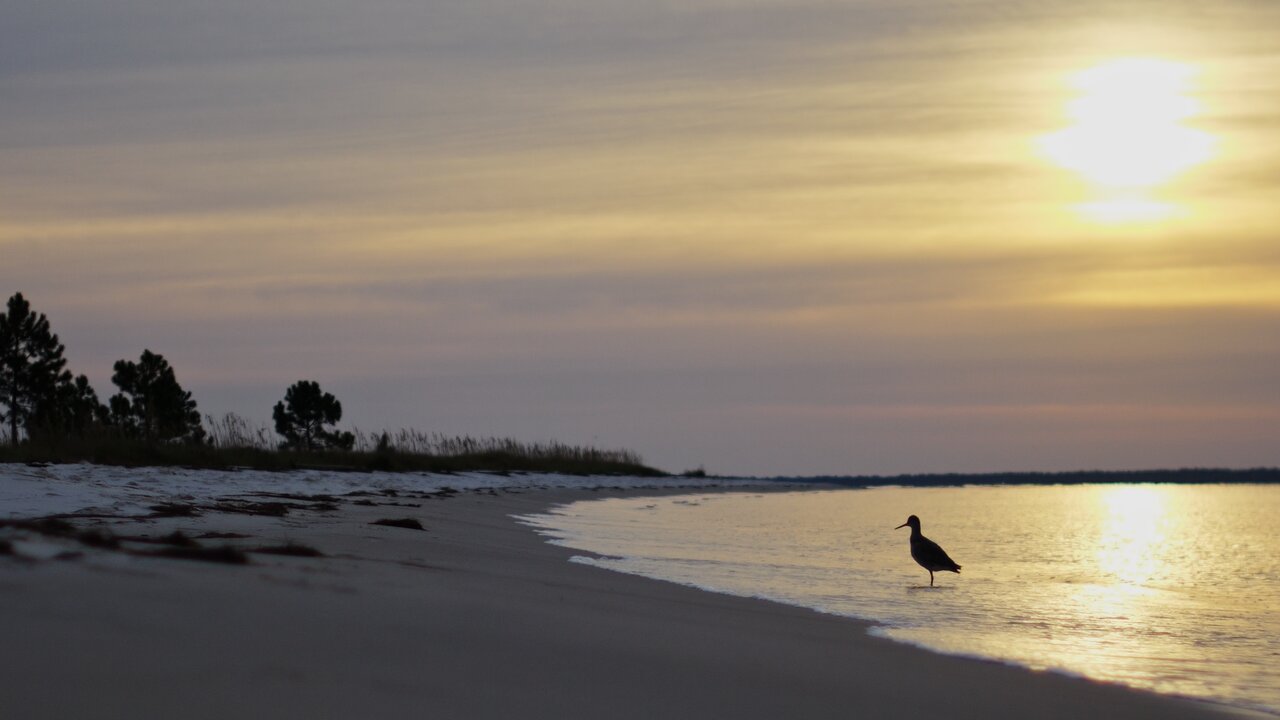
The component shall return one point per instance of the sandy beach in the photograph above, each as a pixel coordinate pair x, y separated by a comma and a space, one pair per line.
473, 617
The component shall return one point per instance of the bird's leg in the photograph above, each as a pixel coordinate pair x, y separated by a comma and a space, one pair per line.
930, 578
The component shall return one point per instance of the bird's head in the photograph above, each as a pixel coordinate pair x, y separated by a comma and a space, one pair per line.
913, 522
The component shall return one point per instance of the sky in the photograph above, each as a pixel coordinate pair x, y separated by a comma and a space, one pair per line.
757, 236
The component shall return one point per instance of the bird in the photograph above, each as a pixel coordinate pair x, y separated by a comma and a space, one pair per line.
928, 553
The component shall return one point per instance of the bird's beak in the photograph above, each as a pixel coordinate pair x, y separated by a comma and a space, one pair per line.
901, 526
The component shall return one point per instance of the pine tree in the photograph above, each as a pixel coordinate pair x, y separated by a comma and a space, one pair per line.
303, 415
31, 365
72, 411
151, 404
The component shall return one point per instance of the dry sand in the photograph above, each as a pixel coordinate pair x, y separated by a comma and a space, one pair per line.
476, 617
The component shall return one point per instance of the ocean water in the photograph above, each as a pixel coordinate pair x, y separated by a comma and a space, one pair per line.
1169, 588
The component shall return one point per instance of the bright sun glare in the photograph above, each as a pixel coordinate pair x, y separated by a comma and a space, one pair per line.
1129, 548
1128, 134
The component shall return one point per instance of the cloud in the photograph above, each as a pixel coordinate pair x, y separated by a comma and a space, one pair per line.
749, 229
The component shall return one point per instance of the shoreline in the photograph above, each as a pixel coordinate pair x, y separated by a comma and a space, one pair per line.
478, 616
1192, 704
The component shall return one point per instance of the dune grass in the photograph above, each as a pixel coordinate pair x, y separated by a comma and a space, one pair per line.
234, 442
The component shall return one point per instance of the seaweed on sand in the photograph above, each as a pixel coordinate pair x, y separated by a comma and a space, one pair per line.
168, 510
269, 509
290, 548
99, 539
408, 523
221, 554
174, 539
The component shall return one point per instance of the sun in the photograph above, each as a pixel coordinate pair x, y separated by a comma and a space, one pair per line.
1129, 133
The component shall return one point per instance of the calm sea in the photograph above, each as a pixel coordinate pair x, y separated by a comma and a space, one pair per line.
1171, 588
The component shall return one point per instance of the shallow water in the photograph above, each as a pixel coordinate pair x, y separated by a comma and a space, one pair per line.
1171, 588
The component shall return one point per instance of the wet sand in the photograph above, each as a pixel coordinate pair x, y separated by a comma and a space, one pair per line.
474, 617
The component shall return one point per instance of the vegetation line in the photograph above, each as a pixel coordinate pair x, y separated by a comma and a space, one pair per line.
51, 416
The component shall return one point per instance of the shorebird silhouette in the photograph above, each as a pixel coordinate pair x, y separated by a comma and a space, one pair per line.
926, 552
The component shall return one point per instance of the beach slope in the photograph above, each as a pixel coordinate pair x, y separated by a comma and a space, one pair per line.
473, 617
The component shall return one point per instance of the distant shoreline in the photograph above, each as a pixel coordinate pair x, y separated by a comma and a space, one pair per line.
1075, 477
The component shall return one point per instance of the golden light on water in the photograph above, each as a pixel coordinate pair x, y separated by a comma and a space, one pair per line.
1129, 136
1130, 552
1129, 548
1157, 586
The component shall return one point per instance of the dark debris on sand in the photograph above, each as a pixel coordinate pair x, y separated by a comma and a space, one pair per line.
221, 554
291, 549
175, 539
268, 509
407, 523
296, 496
99, 539
176, 545
42, 526
169, 510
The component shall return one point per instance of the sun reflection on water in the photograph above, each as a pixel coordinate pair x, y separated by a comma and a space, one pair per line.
1133, 537
1163, 587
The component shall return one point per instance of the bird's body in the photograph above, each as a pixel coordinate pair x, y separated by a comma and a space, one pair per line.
928, 553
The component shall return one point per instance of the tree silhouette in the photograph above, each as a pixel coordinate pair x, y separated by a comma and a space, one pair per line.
72, 410
151, 404
303, 415
31, 364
